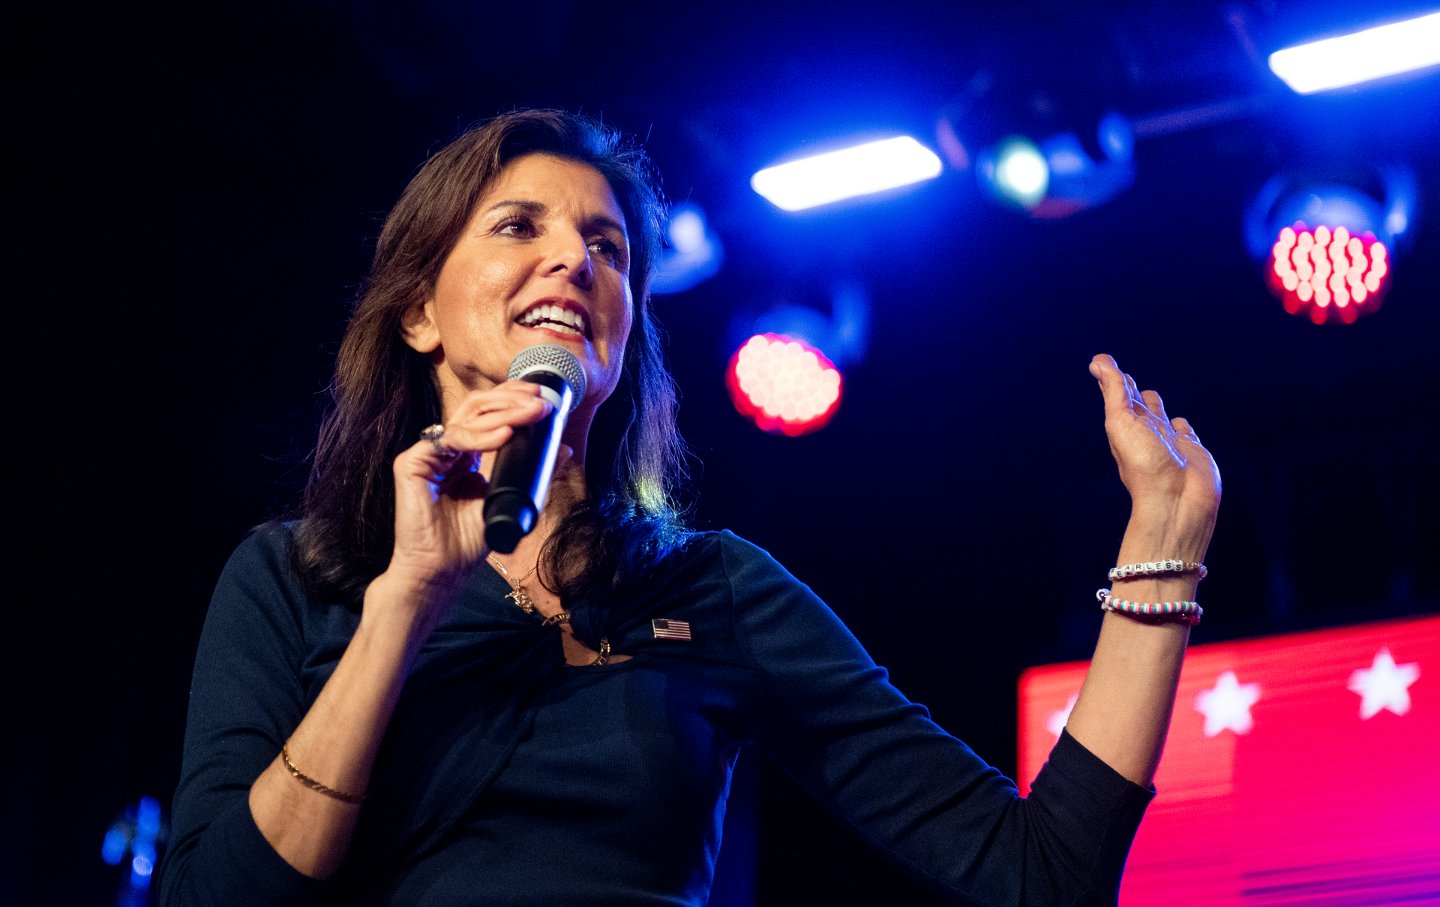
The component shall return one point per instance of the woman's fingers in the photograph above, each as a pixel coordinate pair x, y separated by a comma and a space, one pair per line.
1134, 420
1112, 385
497, 397
449, 453
1162, 462
1190, 444
1155, 405
485, 420
1121, 392
1132, 390
434, 465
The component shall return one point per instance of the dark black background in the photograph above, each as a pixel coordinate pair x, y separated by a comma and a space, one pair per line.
212, 181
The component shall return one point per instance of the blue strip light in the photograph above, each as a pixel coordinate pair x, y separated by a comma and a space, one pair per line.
849, 172
1374, 53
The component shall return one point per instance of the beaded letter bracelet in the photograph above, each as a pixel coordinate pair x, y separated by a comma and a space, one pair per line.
1152, 612
1156, 568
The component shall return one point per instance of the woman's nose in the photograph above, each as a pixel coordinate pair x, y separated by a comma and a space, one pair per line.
571, 255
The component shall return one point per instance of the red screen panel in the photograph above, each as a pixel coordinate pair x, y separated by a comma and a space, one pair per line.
1299, 769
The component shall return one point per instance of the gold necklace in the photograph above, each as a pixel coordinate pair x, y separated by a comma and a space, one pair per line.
525, 603
517, 594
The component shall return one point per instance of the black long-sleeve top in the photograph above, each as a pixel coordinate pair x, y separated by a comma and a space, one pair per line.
509, 777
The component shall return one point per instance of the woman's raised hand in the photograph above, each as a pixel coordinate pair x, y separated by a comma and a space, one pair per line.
1173, 481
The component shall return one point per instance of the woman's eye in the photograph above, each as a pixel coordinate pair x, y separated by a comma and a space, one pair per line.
516, 227
607, 249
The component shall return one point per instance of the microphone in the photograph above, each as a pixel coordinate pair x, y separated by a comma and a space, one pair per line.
525, 463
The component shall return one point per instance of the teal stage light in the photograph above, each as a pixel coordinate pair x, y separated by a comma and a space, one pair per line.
1016, 171
1060, 174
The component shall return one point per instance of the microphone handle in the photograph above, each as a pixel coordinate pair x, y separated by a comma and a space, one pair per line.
524, 466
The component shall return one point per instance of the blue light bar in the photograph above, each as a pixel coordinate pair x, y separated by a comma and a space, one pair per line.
1385, 50
849, 172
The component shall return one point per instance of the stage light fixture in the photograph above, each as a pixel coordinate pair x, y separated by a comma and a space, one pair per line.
1034, 154
783, 384
1328, 275
786, 355
858, 170
1328, 246
693, 253
1363, 56
1060, 174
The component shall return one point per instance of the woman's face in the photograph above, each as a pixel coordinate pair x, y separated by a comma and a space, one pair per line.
545, 258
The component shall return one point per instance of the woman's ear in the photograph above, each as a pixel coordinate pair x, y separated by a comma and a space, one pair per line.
418, 327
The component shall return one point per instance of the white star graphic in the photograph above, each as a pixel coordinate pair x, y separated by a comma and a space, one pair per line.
1384, 685
1226, 706
1056, 722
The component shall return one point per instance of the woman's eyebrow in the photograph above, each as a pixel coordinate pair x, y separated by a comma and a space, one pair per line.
539, 209
608, 222
526, 205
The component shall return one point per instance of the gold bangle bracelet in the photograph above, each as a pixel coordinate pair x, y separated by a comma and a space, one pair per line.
311, 782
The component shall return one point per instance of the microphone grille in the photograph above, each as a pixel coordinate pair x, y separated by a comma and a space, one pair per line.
546, 357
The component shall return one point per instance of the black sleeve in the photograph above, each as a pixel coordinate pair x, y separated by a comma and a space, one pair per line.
245, 697
915, 793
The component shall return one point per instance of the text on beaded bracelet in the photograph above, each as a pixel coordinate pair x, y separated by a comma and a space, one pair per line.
1157, 568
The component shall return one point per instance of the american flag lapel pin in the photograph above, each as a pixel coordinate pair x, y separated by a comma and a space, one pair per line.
664, 628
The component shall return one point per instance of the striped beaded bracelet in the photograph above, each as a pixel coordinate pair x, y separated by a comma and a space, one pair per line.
1152, 612
1156, 568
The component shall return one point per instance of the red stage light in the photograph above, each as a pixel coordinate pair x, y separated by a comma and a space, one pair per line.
784, 385
1328, 275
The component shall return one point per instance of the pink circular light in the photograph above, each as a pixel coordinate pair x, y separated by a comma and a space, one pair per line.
782, 384
1328, 274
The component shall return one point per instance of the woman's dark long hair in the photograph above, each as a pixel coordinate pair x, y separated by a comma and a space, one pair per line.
383, 392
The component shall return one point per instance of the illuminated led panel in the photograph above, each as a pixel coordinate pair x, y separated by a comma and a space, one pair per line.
1299, 769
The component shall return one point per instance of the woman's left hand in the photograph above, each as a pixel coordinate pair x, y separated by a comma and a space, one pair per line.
1172, 479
